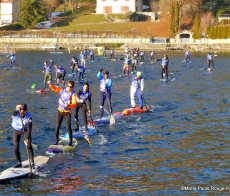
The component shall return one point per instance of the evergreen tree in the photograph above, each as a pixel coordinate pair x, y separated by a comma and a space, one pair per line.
196, 30
174, 20
176, 16
171, 21
31, 12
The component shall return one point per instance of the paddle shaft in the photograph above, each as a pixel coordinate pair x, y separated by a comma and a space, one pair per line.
95, 126
24, 136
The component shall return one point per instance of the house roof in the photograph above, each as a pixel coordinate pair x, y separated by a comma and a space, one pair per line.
6, 1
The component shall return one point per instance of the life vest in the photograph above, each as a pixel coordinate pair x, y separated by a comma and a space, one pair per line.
209, 57
47, 68
60, 69
81, 68
105, 85
17, 123
64, 96
137, 83
164, 62
83, 95
75, 60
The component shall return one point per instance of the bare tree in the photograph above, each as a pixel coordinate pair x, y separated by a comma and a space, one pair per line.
154, 5
207, 20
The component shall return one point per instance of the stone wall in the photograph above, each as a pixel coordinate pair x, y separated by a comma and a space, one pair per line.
76, 43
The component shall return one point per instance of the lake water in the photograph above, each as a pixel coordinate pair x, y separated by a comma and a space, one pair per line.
182, 147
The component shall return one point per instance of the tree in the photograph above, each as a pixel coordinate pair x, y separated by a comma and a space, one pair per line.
207, 20
31, 12
196, 27
174, 20
51, 5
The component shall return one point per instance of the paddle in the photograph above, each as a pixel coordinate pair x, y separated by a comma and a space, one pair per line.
86, 136
144, 100
33, 86
112, 119
24, 136
94, 124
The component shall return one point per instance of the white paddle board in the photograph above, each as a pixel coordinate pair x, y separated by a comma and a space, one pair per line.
15, 173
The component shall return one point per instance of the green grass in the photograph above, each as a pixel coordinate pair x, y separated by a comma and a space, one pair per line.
94, 18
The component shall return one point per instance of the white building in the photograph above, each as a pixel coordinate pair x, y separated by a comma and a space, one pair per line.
118, 6
9, 10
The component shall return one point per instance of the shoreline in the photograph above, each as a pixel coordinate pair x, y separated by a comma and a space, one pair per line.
59, 44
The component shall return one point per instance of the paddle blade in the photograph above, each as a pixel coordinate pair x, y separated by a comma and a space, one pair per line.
87, 137
112, 120
33, 86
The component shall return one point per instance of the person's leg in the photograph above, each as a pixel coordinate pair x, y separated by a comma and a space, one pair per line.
167, 72
132, 94
140, 98
16, 141
84, 113
44, 82
76, 115
109, 95
162, 72
59, 121
102, 98
68, 125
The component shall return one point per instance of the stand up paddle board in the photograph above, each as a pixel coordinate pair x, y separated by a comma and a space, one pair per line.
42, 91
24, 171
136, 110
62, 147
124, 75
106, 119
80, 134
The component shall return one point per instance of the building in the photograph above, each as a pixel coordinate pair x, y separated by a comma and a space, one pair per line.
9, 10
118, 6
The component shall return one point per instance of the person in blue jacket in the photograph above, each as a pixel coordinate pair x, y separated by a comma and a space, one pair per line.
105, 92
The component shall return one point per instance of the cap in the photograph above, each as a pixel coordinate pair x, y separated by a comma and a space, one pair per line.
138, 73
106, 72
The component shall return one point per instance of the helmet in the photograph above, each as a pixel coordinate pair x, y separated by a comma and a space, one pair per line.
138, 73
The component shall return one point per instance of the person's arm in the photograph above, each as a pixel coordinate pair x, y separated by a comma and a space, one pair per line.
109, 84
73, 102
54, 88
29, 129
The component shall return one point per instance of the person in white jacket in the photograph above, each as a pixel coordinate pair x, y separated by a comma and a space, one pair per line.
137, 86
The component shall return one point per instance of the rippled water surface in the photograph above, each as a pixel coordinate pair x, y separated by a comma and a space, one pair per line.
183, 144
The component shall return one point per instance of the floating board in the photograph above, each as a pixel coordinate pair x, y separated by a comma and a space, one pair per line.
15, 173
12, 68
71, 75
62, 147
136, 110
164, 80
106, 119
79, 134
210, 69
124, 75
53, 52
42, 91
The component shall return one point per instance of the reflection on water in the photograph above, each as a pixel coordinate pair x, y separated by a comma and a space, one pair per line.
184, 142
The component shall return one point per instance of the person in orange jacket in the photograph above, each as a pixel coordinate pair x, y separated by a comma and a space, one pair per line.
67, 101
